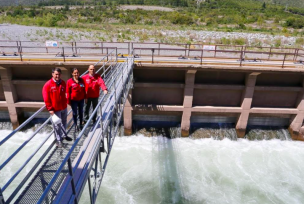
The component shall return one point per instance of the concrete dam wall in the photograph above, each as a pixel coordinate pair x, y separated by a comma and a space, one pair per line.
180, 93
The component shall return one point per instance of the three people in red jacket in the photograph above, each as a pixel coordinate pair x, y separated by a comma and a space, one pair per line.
57, 95
54, 95
76, 94
92, 82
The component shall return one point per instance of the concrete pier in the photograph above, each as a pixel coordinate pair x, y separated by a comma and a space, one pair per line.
246, 104
188, 99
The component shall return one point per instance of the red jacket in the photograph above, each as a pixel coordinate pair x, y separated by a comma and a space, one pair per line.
75, 91
92, 84
54, 95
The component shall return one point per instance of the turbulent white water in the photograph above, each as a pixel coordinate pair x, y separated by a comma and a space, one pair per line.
12, 145
183, 170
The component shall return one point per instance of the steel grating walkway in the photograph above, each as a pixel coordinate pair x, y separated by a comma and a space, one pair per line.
38, 184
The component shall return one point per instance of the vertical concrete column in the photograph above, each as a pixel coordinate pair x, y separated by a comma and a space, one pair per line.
10, 95
296, 127
128, 115
188, 99
246, 104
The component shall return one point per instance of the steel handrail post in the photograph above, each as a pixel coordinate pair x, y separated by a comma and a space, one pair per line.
215, 51
284, 60
90, 190
295, 52
152, 55
95, 176
116, 54
101, 45
297, 55
158, 49
18, 48
202, 56
72, 180
75, 46
107, 54
111, 60
103, 73
269, 52
20, 53
128, 48
241, 57
63, 54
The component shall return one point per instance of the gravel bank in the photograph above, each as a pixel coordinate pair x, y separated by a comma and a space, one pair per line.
34, 33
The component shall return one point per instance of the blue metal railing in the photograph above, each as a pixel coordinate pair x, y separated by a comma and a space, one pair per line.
104, 124
107, 68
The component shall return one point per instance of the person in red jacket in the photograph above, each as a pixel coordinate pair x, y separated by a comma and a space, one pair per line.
76, 94
54, 96
92, 82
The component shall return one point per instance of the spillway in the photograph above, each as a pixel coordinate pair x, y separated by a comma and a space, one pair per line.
186, 170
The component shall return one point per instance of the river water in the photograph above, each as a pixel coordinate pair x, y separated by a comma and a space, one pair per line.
186, 170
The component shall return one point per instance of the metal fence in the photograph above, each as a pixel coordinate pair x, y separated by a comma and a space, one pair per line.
153, 52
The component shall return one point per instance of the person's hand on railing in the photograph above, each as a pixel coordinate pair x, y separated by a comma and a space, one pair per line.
51, 112
105, 92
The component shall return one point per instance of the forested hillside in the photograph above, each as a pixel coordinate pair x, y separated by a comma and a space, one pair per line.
215, 15
182, 3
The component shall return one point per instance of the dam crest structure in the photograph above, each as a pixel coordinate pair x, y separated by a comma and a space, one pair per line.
171, 84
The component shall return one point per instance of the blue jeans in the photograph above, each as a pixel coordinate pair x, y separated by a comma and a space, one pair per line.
79, 105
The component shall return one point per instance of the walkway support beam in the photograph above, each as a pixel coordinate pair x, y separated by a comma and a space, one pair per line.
188, 100
246, 104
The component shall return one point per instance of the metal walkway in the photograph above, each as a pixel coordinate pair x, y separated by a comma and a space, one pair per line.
60, 174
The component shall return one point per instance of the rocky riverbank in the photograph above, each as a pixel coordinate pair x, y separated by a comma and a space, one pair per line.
125, 34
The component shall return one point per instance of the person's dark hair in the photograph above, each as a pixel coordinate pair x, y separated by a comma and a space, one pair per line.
56, 69
74, 70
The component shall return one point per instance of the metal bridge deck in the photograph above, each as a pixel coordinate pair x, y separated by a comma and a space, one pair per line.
38, 184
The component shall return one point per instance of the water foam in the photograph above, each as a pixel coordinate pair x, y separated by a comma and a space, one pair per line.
184, 170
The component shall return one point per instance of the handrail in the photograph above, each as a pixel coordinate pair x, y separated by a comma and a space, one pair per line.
44, 124
92, 133
22, 125
23, 144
